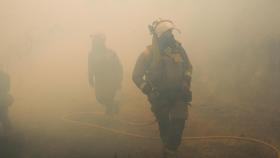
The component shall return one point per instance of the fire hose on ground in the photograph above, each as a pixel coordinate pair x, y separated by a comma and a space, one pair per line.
129, 134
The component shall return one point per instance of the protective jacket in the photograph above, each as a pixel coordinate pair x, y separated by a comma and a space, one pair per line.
171, 76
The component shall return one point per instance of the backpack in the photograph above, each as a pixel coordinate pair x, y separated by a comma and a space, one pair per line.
166, 71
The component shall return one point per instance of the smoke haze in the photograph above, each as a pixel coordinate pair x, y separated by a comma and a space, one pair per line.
233, 46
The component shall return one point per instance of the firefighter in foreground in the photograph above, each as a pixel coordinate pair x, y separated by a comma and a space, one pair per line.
6, 100
105, 73
163, 73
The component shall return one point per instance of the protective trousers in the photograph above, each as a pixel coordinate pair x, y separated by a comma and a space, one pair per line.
106, 98
171, 117
4, 119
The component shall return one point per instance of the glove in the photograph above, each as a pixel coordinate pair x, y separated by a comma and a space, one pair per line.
146, 88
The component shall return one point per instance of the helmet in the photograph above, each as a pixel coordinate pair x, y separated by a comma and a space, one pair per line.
160, 26
98, 37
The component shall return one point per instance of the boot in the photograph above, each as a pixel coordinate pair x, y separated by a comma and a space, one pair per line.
167, 153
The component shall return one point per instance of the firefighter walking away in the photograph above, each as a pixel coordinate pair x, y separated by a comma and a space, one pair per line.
105, 73
163, 73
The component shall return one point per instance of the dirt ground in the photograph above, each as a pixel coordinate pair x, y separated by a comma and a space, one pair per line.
48, 136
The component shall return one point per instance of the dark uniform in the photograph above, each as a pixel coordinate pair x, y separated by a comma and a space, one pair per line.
5, 99
169, 94
106, 70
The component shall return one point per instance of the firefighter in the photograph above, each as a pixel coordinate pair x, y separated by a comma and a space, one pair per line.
105, 73
163, 73
6, 100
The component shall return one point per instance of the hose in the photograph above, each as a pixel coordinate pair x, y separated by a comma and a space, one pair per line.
202, 138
